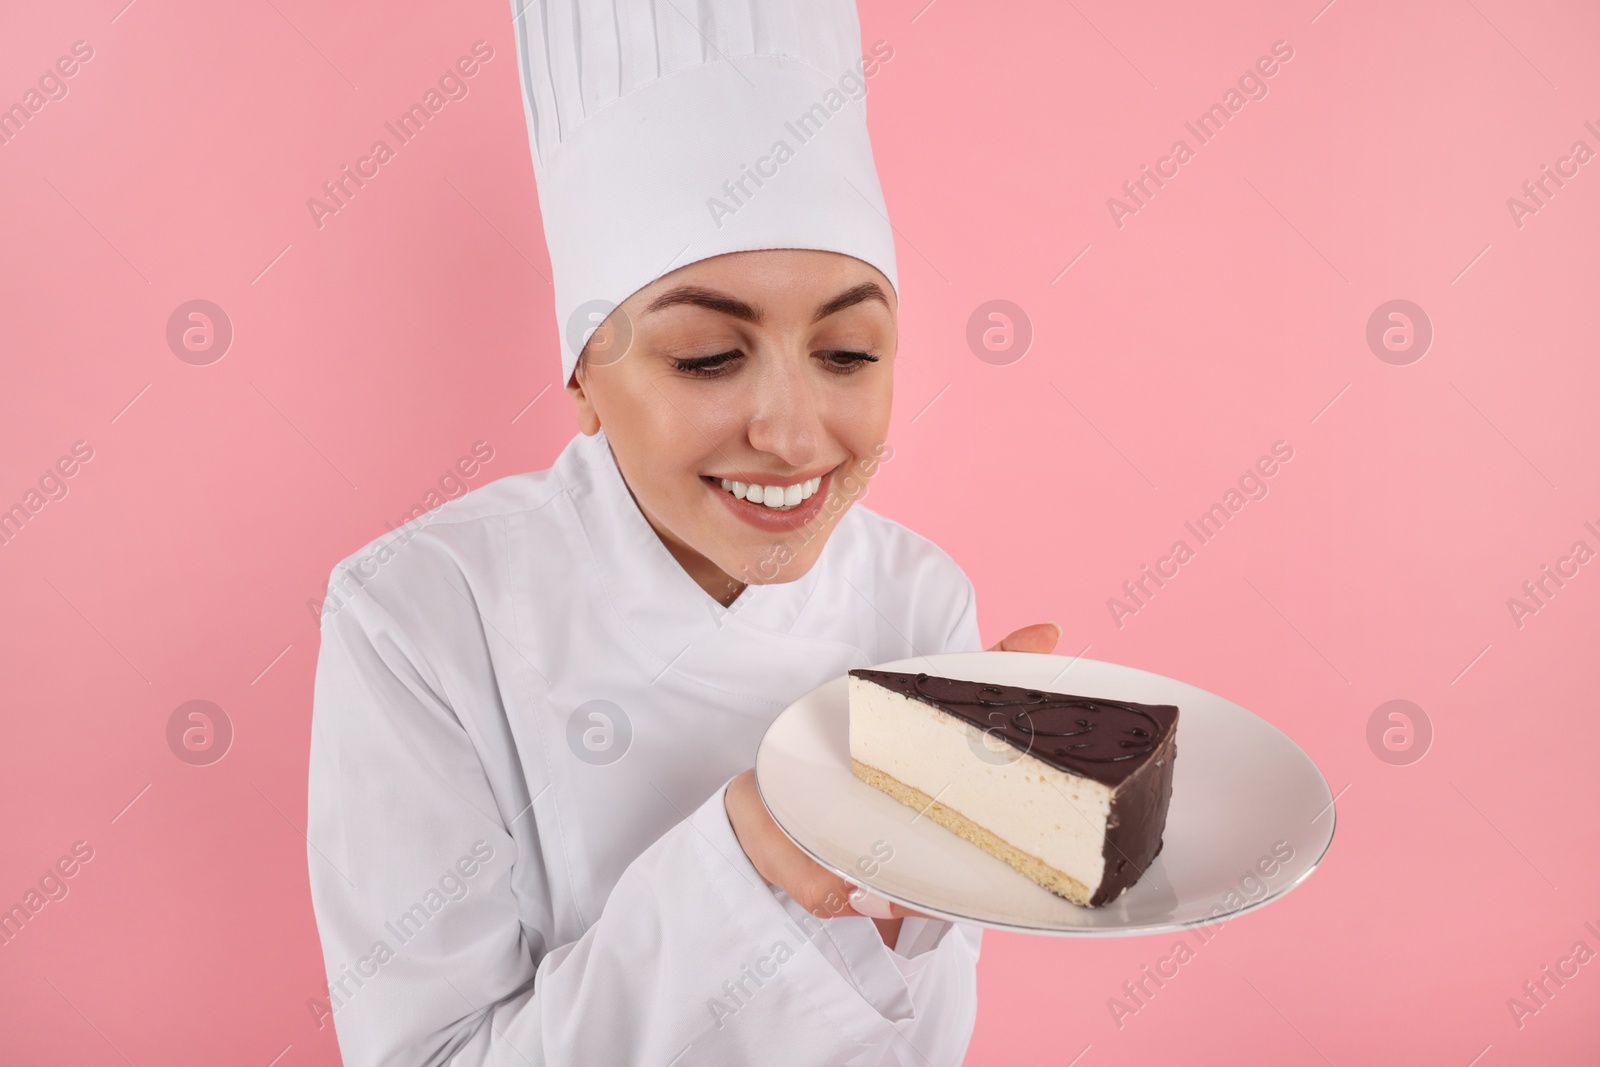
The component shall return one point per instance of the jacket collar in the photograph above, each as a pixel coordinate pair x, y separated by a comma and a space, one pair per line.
665, 608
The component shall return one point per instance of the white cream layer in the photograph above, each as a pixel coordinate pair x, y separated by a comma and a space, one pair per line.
1040, 809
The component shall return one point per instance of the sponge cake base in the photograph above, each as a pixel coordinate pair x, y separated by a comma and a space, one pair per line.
1057, 882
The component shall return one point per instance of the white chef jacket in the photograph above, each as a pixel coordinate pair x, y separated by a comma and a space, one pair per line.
489, 890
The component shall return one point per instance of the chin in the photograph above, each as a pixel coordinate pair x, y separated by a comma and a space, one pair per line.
776, 564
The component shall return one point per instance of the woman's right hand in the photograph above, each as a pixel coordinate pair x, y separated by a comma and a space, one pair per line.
777, 859
780, 861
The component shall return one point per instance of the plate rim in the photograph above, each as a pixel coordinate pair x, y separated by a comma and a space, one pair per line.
1142, 930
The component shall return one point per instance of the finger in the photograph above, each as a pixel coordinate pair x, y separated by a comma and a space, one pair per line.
866, 902
870, 904
1040, 637
823, 894
902, 912
811, 885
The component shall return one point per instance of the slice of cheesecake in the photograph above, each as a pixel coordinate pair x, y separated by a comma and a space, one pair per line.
1070, 790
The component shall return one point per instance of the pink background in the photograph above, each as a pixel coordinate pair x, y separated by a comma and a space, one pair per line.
1227, 314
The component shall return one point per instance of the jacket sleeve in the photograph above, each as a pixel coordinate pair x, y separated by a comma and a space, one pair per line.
963, 634
430, 958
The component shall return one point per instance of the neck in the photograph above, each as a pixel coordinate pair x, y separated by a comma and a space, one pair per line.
707, 575
718, 584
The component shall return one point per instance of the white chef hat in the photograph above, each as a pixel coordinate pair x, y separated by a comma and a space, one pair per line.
668, 131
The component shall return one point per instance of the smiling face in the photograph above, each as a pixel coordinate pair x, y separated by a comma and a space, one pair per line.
768, 374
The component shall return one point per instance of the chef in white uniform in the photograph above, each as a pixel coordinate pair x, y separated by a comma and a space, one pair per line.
533, 836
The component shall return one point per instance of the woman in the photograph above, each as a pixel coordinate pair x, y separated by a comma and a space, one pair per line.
534, 835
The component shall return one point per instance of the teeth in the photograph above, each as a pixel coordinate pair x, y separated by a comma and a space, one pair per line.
776, 497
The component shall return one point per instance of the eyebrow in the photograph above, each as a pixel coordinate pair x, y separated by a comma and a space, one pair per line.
851, 297
712, 300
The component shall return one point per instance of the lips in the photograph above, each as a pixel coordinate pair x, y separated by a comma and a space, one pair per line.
773, 519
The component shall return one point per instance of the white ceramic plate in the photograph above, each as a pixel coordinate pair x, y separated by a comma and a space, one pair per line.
1250, 817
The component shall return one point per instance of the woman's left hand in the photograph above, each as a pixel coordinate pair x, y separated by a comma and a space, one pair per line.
1040, 637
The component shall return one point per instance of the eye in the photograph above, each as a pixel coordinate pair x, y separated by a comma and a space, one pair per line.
706, 366
846, 362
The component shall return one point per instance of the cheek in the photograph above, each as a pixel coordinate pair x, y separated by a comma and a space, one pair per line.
664, 435
859, 417
707, 416
686, 430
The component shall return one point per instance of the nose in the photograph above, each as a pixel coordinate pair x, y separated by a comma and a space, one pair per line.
785, 419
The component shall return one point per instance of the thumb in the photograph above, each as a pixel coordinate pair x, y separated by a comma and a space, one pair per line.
1040, 637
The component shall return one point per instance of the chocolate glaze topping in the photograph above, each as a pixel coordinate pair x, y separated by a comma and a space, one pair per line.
1107, 740
1126, 746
